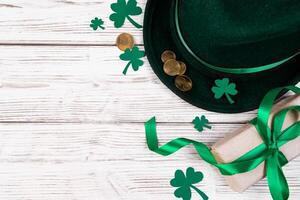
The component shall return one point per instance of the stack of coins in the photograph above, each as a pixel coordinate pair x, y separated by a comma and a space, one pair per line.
173, 67
125, 41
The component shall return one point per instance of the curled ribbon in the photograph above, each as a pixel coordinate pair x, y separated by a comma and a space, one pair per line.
267, 152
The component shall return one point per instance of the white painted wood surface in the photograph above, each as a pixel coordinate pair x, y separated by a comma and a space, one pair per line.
71, 125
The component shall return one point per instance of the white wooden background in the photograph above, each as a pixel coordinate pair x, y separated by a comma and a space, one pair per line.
71, 125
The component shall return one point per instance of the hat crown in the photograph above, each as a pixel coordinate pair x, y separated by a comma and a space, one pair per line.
240, 34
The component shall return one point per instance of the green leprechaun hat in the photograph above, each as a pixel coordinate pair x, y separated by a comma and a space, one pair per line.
223, 56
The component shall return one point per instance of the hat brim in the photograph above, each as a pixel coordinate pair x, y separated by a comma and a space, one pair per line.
159, 36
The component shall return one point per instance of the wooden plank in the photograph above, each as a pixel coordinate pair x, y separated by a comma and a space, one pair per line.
114, 180
109, 161
86, 84
60, 22
67, 142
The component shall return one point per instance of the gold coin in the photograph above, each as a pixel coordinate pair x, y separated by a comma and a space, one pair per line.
183, 83
168, 55
125, 41
182, 67
172, 67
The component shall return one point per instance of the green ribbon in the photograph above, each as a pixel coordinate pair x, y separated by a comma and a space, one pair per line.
274, 137
230, 70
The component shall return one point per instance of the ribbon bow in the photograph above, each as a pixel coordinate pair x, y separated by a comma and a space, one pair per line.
274, 137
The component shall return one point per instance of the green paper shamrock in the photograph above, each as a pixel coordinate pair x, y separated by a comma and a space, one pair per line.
185, 183
123, 11
97, 23
134, 56
224, 87
202, 123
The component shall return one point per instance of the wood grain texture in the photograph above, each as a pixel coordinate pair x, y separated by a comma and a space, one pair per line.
60, 22
71, 125
44, 142
86, 84
108, 161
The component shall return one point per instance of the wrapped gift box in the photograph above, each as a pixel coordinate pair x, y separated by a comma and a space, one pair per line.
247, 138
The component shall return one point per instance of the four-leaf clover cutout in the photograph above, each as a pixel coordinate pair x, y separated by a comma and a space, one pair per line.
97, 23
134, 56
224, 87
184, 184
123, 10
202, 123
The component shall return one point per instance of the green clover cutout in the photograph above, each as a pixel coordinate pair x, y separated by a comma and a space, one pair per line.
202, 123
224, 87
97, 23
184, 184
123, 11
134, 56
